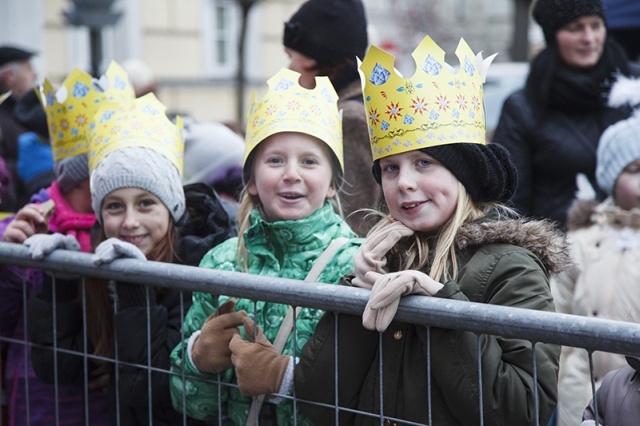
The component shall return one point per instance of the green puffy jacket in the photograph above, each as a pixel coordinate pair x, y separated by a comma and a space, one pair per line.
286, 249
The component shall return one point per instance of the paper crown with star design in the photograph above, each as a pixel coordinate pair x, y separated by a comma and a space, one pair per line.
71, 107
141, 124
288, 107
436, 106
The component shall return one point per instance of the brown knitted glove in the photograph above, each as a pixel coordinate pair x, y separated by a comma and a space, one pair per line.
259, 366
370, 260
210, 352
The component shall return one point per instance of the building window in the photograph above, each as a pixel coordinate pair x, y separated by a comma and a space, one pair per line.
220, 32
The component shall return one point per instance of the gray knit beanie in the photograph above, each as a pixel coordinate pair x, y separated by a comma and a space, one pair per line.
71, 171
137, 167
209, 149
619, 146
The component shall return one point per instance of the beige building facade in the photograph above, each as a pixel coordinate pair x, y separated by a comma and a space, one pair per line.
191, 45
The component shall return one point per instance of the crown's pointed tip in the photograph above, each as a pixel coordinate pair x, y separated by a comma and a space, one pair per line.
376, 55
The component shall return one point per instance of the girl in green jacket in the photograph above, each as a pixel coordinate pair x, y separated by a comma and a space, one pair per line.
289, 214
446, 234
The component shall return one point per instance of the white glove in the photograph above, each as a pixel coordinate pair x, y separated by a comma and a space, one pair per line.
114, 248
41, 245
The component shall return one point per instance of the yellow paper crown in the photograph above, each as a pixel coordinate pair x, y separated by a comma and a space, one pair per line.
71, 108
142, 123
436, 106
288, 107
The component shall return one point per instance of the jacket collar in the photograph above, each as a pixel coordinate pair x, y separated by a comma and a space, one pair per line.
294, 236
585, 213
540, 237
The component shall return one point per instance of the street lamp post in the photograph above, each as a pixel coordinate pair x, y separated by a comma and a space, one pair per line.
94, 14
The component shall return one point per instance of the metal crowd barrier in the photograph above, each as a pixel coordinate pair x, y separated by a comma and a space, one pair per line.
591, 334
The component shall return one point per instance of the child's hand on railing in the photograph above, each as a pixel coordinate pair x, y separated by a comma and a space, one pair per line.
113, 248
40, 245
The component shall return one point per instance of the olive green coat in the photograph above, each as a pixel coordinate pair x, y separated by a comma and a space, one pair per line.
503, 263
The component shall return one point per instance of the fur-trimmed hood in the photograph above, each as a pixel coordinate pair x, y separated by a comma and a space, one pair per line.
586, 213
541, 237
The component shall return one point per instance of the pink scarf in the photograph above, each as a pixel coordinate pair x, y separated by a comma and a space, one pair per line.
69, 222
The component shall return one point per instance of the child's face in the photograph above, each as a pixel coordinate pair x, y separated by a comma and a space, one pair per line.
135, 216
419, 191
292, 176
627, 187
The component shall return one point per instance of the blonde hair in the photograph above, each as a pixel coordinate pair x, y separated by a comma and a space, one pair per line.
249, 202
415, 253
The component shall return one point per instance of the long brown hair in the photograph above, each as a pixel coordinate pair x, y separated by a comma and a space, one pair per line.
99, 301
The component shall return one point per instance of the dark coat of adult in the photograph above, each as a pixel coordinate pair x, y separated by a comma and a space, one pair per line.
618, 398
205, 225
10, 129
552, 128
360, 190
506, 264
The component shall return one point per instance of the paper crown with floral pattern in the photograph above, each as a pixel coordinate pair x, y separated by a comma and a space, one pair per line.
140, 123
288, 107
436, 106
70, 109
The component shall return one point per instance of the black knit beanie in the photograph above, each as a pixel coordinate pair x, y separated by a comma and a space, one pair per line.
551, 15
329, 31
486, 171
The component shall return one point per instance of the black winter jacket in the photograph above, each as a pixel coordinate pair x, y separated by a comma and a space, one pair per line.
129, 384
549, 152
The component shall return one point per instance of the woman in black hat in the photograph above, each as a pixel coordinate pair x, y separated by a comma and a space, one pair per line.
552, 126
323, 38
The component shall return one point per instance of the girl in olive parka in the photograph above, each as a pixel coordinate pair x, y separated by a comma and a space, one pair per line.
286, 221
446, 235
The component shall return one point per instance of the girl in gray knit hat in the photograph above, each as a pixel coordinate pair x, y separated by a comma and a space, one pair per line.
605, 241
135, 163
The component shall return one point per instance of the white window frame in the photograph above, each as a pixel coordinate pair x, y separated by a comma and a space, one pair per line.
214, 37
